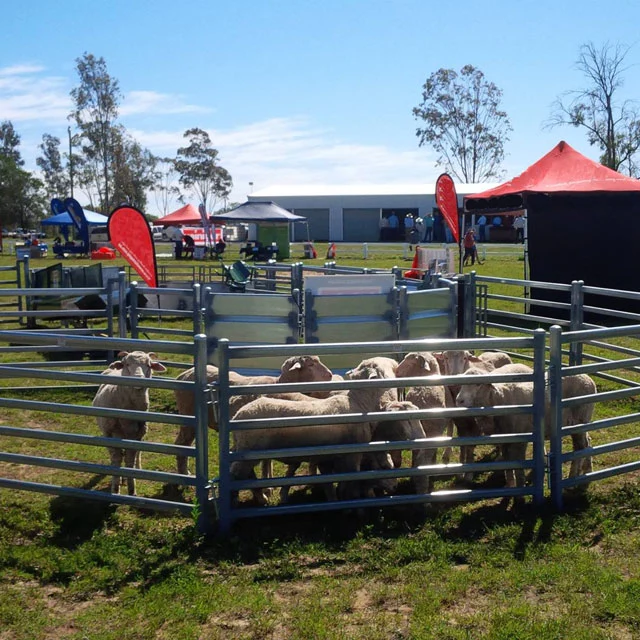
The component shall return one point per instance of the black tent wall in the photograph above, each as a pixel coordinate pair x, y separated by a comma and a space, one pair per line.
590, 237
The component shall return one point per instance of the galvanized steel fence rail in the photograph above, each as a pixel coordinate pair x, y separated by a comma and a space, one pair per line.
228, 486
196, 350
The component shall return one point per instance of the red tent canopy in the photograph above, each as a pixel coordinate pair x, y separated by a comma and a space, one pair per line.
188, 214
562, 170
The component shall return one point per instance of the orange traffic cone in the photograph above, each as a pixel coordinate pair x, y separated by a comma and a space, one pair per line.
331, 251
414, 272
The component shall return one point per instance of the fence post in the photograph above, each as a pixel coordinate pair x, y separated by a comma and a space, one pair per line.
122, 304
133, 309
470, 305
405, 251
453, 313
202, 435
110, 286
197, 318
26, 274
555, 413
577, 320
403, 313
539, 337
365, 250
224, 476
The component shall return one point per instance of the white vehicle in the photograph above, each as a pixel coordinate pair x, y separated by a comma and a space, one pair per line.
158, 233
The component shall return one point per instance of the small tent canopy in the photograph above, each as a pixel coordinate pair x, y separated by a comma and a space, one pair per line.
258, 212
188, 214
64, 218
272, 222
583, 222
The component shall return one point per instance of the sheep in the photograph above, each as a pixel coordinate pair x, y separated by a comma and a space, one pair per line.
295, 369
522, 393
136, 364
364, 400
419, 364
393, 430
456, 363
505, 393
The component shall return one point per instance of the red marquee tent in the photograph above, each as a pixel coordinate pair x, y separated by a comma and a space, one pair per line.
583, 221
561, 171
188, 214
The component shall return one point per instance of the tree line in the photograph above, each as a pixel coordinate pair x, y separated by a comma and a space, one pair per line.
101, 164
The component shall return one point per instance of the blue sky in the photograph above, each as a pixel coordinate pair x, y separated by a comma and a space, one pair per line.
304, 92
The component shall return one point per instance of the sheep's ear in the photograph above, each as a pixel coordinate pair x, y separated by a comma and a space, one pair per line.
122, 354
439, 356
152, 355
116, 365
296, 365
421, 360
474, 359
156, 366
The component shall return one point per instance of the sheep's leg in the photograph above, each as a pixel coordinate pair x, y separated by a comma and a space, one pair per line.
329, 488
131, 460
115, 455
284, 491
582, 465
244, 470
446, 455
186, 437
345, 464
266, 468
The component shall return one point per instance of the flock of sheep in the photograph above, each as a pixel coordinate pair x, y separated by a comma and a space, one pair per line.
363, 399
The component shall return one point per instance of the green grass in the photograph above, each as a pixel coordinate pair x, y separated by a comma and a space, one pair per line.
494, 570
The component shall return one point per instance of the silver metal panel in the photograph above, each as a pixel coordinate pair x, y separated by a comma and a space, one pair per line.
243, 304
438, 326
370, 305
418, 301
361, 331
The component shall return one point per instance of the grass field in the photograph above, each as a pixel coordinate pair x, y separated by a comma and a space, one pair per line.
495, 570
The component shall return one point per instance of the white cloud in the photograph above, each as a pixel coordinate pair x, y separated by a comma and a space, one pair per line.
152, 102
20, 69
293, 151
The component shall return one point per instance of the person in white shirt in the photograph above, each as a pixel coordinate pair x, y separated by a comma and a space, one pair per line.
518, 225
176, 236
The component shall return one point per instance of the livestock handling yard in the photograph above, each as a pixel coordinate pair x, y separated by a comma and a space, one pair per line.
483, 502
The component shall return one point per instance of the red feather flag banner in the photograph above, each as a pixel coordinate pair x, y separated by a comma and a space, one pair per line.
447, 201
131, 235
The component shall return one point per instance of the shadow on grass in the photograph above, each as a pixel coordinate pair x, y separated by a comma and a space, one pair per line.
77, 519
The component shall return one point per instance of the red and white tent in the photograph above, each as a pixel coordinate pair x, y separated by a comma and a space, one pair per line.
188, 214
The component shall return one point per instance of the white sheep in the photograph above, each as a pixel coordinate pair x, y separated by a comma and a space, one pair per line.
503, 393
422, 364
364, 400
136, 364
456, 363
295, 369
522, 393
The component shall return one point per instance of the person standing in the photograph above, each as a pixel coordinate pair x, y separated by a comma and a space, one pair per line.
518, 225
394, 223
176, 236
428, 228
482, 225
408, 228
384, 229
419, 225
470, 249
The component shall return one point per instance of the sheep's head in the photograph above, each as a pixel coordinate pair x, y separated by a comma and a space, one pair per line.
138, 364
304, 369
418, 364
368, 370
473, 395
456, 362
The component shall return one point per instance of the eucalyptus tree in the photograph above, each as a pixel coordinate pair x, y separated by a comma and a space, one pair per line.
96, 101
53, 164
611, 121
199, 171
461, 119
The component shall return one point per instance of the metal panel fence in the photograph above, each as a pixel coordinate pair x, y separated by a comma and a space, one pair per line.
235, 466
71, 454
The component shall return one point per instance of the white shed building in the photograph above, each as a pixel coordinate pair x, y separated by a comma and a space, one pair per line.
352, 213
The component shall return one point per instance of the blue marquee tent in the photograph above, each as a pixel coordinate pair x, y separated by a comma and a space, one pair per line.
64, 218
